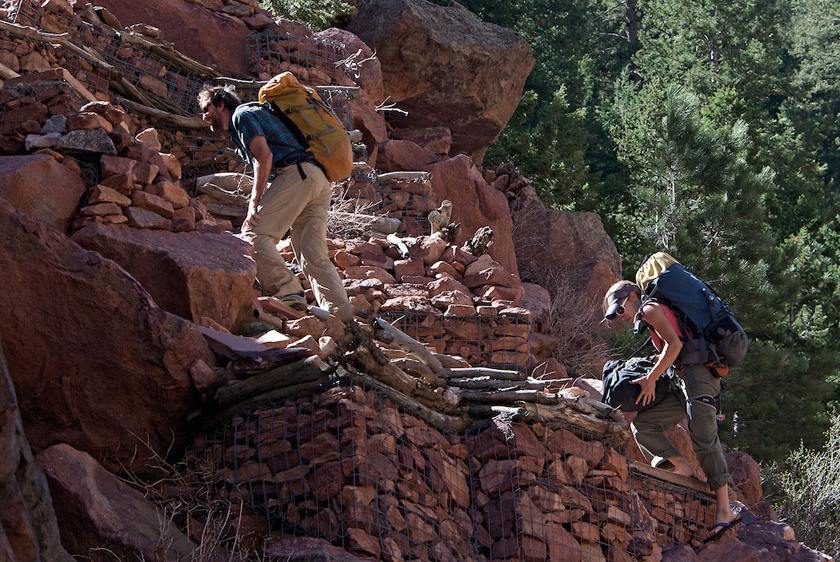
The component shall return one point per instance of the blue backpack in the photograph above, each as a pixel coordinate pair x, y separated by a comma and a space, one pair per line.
716, 336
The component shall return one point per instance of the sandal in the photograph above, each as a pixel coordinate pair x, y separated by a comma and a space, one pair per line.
722, 528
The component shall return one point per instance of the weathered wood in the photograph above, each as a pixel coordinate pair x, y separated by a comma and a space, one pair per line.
271, 319
305, 370
487, 383
667, 476
397, 241
480, 242
246, 364
486, 411
562, 413
466, 372
369, 362
409, 365
510, 396
179, 120
7, 73
54, 38
411, 345
209, 419
228, 197
442, 421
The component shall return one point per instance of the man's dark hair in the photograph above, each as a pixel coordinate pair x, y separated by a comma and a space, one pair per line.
214, 95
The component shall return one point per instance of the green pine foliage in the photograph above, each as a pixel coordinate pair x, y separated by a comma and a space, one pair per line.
709, 130
317, 15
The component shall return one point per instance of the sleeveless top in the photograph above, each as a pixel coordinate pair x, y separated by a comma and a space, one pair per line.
672, 318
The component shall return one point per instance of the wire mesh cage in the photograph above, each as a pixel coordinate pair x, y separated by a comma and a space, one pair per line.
351, 466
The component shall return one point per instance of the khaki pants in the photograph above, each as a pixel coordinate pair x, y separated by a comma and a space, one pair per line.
650, 425
301, 206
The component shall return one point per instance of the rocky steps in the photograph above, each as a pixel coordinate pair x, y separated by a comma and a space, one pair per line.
130, 342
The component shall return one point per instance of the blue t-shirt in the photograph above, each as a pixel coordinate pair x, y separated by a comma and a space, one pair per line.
253, 119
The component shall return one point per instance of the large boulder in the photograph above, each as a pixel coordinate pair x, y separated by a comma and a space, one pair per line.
210, 37
96, 363
446, 68
27, 521
97, 511
39, 186
192, 274
554, 245
475, 205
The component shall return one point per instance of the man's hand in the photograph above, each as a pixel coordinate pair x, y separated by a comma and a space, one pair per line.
251, 218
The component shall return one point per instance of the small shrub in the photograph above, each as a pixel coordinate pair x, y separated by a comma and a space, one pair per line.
806, 493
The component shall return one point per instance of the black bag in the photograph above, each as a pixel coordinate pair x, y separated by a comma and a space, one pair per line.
621, 394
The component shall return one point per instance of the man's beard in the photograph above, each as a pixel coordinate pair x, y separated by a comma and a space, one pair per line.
216, 125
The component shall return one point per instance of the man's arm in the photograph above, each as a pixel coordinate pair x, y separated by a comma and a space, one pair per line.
263, 162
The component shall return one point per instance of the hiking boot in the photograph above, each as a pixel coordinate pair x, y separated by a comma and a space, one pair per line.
296, 301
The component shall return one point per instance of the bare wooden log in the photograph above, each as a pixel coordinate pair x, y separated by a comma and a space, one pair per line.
396, 241
411, 345
485, 411
603, 409
480, 242
562, 413
487, 383
55, 38
120, 84
366, 360
440, 420
410, 365
270, 319
510, 396
6, 73
440, 217
466, 372
175, 119
246, 364
208, 420
305, 370
667, 476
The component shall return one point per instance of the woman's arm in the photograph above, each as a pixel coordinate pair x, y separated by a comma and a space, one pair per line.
654, 315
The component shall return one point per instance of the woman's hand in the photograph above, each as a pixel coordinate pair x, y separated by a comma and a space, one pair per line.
647, 392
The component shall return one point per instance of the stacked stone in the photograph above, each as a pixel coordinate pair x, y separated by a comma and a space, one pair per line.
344, 466
132, 182
410, 200
680, 519
453, 301
290, 46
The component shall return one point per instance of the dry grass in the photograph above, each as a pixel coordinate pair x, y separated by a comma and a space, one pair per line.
190, 501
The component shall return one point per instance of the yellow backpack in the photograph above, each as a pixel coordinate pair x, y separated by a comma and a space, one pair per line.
303, 111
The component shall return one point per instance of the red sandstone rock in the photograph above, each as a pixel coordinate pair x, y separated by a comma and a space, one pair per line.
475, 204
205, 275
474, 93
95, 510
41, 187
63, 307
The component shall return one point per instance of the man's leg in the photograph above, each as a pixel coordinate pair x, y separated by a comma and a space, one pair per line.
309, 239
277, 209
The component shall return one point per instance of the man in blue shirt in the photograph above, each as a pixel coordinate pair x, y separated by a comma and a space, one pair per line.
290, 194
